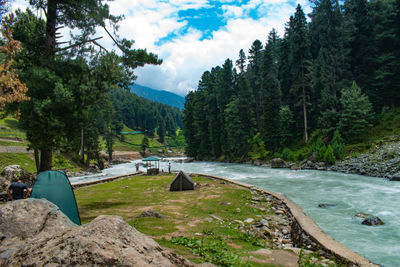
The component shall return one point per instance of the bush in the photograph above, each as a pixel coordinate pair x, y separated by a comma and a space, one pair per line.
329, 157
338, 145
288, 154
319, 148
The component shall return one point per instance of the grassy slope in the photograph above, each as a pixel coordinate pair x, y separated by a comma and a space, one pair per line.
184, 212
133, 139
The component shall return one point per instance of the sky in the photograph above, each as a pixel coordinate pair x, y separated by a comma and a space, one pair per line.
192, 36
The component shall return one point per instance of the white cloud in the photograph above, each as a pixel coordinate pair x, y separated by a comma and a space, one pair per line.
188, 55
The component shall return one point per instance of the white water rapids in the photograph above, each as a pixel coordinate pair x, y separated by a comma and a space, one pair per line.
348, 194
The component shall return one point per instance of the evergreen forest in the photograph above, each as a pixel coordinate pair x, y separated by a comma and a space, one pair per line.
321, 84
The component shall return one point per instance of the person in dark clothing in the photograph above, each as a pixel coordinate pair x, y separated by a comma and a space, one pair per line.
16, 190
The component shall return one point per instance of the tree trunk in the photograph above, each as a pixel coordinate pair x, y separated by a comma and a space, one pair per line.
305, 118
51, 25
81, 153
46, 157
37, 161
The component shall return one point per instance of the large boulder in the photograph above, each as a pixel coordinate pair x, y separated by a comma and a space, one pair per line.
372, 221
11, 173
34, 232
278, 163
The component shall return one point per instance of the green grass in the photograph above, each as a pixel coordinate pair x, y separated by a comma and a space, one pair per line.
9, 128
134, 139
185, 213
26, 161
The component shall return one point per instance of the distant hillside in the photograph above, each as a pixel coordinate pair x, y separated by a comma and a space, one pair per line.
160, 96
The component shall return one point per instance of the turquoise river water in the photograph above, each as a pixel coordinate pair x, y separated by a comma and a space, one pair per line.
348, 193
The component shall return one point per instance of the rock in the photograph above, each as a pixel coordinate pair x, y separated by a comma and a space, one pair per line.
362, 215
36, 233
395, 177
151, 213
372, 221
215, 217
249, 220
11, 173
325, 205
278, 163
294, 167
225, 203
188, 160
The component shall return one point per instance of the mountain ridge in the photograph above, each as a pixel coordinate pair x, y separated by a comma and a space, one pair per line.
160, 96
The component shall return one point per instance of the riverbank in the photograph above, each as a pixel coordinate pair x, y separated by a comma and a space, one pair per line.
380, 161
275, 220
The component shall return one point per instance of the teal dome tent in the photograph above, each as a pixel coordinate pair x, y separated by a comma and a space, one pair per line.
56, 188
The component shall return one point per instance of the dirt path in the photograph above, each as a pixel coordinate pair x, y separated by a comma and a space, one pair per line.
15, 149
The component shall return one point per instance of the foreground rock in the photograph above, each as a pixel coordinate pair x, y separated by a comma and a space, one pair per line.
35, 233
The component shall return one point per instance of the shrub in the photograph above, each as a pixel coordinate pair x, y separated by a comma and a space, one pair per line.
329, 157
288, 154
338, 145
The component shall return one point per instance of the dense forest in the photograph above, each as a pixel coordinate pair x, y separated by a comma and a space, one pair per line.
70, 94
327, 79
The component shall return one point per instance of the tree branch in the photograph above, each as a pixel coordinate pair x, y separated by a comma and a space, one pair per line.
77, 44
115, 41
96, 43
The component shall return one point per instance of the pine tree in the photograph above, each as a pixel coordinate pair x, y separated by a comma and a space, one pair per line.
299, 61
253, 75
271, 95
330, 69
356, 115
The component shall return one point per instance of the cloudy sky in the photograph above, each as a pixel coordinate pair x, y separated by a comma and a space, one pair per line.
192, 36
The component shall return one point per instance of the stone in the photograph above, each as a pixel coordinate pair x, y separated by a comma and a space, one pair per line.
11, 173
249, 220
225, 203
325, 205
278, 163
372, 221
362, 215
395, 177
34, 232
150, 213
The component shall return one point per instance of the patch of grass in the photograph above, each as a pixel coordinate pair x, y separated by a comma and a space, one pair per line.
9, 128
213, 249
26, 161
186, 213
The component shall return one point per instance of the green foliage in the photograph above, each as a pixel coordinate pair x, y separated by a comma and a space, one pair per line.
356, 115
287, 154
257, 148
338, 145
145, 143
22, 159
319, 148
213, 250
329, 156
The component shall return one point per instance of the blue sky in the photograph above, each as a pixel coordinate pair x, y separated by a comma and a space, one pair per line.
192, 36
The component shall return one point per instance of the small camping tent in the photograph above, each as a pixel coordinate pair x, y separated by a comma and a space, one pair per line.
181, 182
56, 188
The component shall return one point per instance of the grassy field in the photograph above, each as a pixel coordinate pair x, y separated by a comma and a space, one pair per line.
187, 224
26, 161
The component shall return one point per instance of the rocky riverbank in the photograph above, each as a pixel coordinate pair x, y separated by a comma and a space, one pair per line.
381, 161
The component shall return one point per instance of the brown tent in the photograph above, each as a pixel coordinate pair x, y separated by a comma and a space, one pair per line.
182, 182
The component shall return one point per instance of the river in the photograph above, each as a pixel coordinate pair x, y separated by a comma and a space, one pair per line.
348, 194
